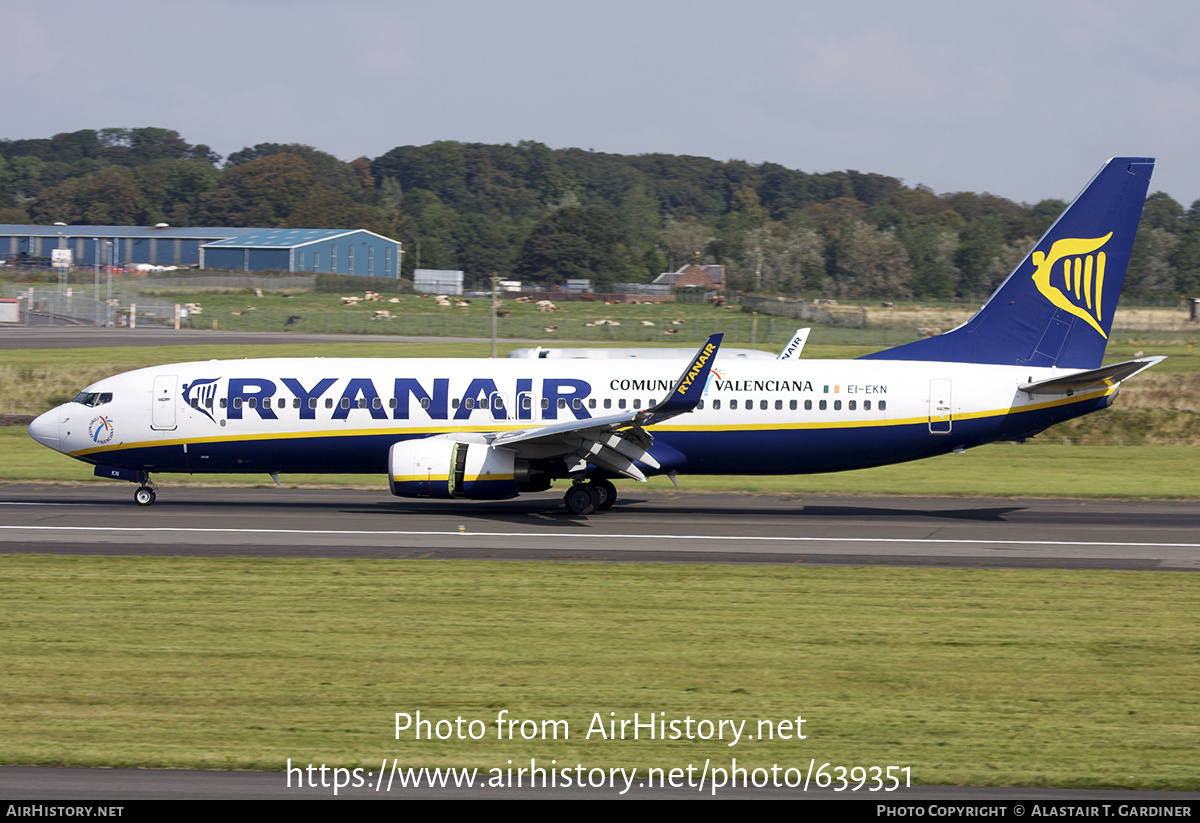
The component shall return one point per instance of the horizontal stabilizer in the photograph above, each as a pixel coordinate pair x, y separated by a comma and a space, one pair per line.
1101, 378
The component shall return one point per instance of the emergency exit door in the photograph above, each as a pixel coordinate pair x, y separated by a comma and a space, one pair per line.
940, 409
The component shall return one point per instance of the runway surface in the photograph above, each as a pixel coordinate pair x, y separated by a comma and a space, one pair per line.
116, 785
676, 527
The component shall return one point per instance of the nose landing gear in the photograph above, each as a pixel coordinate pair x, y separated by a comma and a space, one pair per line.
144, 496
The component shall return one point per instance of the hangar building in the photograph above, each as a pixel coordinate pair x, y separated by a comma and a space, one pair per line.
324, 251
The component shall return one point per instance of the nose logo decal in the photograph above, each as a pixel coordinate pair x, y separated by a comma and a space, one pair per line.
101, 429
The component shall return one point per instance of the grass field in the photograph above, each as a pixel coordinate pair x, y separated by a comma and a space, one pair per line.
984, 677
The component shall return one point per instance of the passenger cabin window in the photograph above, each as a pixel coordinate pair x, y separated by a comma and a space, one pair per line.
608, 402
823, 405
329, 402
733, 404
851, 404
621, 403
808, 405
837, 405
779, 405
883, 405
792, 405
866, 405
716, 405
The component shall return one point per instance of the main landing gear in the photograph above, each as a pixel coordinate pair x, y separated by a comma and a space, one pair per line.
591, 496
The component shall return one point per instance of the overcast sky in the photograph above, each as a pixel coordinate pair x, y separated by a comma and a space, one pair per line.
1022, 99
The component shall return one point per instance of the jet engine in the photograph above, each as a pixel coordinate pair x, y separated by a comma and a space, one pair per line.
443, 467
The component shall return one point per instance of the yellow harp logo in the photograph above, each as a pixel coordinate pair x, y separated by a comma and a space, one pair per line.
1082, 275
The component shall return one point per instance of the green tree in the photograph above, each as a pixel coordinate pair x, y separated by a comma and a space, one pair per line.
685, 241
872, 263
782, 260
108, 198
573, 242
931, 252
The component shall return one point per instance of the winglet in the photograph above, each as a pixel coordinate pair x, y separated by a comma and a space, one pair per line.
689, 388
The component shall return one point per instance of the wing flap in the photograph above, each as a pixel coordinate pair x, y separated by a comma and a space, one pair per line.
615, 442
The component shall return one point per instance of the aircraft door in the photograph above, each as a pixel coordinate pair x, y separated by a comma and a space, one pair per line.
162, 403
940, 410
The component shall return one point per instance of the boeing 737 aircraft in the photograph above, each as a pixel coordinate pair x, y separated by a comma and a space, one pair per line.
492, 429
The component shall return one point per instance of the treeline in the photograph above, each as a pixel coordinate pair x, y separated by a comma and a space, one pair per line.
544, 215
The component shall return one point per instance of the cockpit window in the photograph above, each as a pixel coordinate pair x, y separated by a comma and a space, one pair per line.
93, 398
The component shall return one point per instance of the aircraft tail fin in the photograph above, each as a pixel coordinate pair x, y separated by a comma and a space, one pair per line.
1056, 308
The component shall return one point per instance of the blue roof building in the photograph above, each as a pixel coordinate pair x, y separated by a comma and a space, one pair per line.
326, 251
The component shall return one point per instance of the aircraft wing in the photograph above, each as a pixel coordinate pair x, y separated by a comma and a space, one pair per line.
1100, 378
596, 439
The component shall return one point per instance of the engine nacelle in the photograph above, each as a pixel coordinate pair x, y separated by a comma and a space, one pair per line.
439, 467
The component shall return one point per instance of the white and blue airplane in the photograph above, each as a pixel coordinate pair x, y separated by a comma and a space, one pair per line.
492, 429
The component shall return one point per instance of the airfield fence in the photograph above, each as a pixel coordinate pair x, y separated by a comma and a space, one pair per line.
50, 307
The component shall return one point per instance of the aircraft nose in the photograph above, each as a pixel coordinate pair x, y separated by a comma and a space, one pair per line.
44, 429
